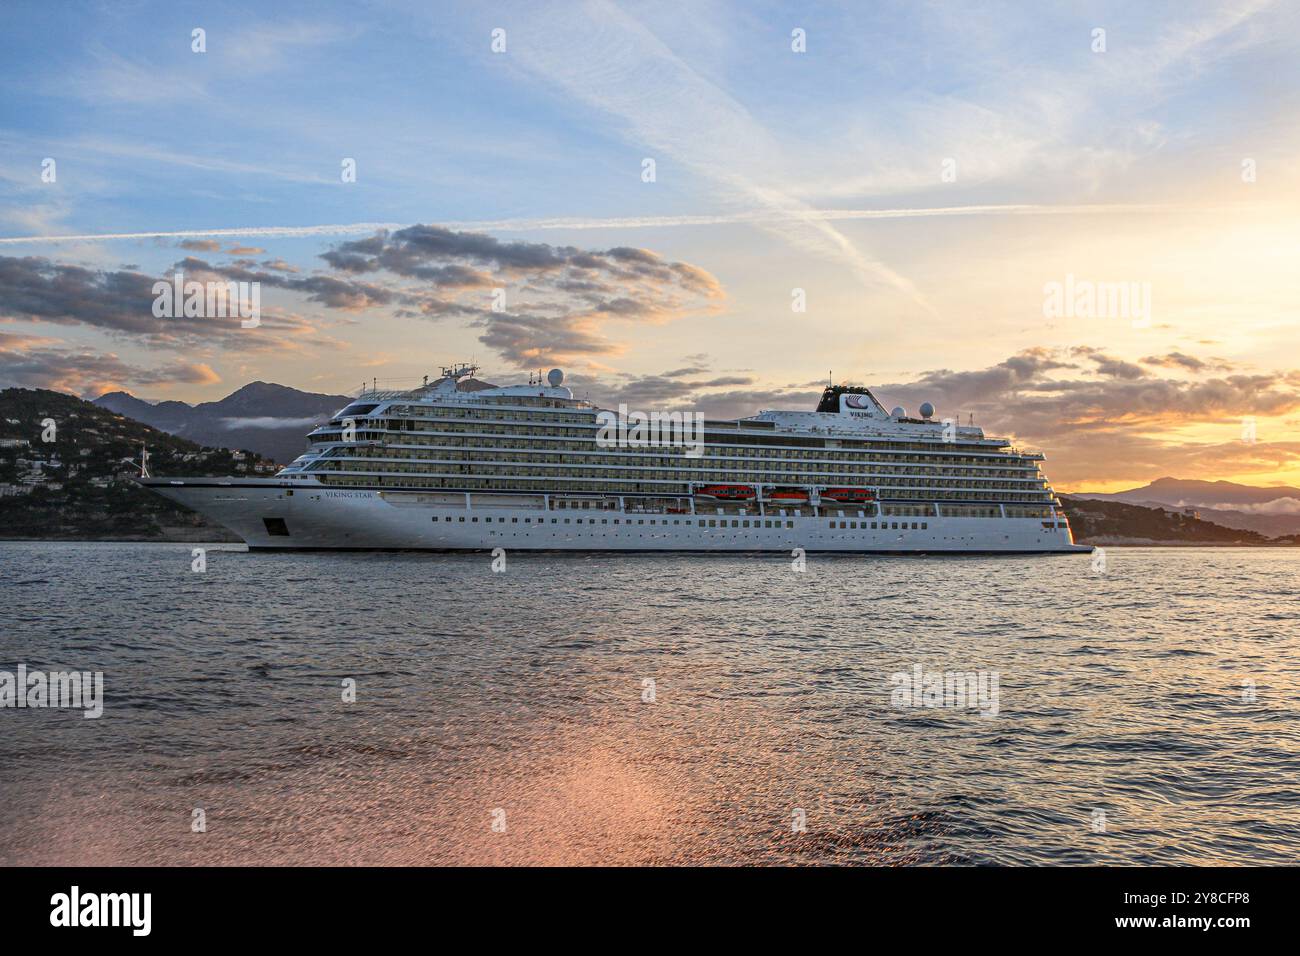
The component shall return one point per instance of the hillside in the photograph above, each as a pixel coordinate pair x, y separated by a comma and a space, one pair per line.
79, 485
1095, 521
1273, 511
272, 420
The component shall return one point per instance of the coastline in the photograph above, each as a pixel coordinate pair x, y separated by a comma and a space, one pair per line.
1121, 542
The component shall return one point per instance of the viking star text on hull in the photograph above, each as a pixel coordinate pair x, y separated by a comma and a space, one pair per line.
458, 464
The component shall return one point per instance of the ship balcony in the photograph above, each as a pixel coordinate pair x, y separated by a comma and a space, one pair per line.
1027, 451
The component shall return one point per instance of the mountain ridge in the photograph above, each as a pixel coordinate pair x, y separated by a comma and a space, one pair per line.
270, 419
1271, 510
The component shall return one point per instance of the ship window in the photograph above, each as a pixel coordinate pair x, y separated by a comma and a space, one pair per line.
566, 520
925, 525
789, 524
514, 521
873, 526
713, 523
701, 522
476, 519
604, 521
853, 524
276, 527
461, 519
894, 525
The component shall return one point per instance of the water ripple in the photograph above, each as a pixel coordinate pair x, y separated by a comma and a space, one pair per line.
653, 709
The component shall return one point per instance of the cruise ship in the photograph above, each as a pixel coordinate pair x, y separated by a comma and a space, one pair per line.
459, 464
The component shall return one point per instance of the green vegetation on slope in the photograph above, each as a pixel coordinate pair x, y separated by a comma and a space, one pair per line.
78, 486
1092, 520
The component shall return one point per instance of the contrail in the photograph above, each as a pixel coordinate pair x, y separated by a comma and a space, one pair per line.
246, 232
763, 216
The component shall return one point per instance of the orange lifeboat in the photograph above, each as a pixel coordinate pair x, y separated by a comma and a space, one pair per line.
788, 496
726, 492
849, 495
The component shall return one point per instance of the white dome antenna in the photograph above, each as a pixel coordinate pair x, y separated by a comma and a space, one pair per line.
555, 377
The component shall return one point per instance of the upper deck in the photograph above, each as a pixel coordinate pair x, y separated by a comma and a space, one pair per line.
846, 412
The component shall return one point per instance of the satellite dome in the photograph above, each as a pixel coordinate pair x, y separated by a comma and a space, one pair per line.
927, 410
899, 412
555, 377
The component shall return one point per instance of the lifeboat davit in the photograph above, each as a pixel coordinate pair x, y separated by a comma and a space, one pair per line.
849, 495
726, 492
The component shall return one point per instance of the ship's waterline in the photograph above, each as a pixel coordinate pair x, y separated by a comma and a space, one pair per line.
462, 465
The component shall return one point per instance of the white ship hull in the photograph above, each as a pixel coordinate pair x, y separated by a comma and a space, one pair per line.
298, 515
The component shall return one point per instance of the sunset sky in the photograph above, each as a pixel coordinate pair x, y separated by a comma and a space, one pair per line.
922, 172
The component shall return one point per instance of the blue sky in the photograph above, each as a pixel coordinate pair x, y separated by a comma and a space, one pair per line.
1122, 165
155, 136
